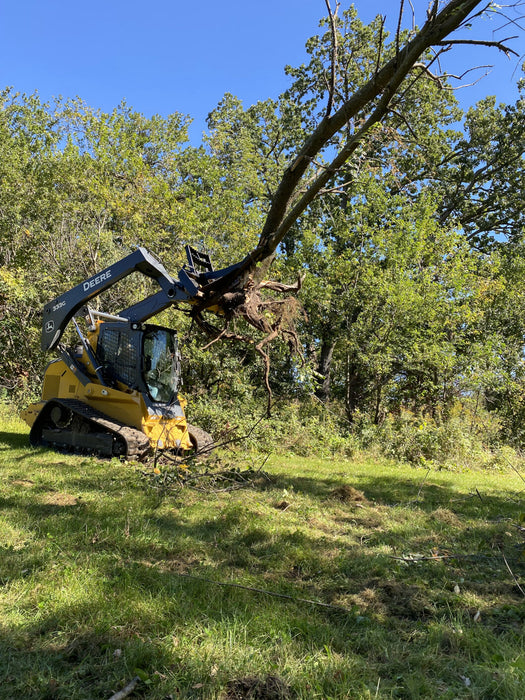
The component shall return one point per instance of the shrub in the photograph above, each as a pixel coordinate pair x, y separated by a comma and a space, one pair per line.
459, 441
302, 428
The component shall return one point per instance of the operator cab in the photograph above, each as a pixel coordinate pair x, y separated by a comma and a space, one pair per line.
145, 358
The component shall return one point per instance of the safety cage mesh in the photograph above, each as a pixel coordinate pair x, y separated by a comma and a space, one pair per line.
118, 357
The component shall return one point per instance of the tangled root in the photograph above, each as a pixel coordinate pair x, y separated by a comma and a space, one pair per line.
268, 315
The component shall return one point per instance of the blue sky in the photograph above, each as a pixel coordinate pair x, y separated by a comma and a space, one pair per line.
167, 56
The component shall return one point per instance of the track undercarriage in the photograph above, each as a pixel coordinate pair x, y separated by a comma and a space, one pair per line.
72, 424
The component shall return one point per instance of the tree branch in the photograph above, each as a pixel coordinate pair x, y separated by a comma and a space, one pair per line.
333, 68
479, 42
386, 81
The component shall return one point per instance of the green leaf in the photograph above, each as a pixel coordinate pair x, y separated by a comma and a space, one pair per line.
143, 675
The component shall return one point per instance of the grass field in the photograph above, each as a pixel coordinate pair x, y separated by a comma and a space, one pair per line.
319, 579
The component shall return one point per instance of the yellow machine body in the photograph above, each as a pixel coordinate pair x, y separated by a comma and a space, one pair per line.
116, 393
125, 405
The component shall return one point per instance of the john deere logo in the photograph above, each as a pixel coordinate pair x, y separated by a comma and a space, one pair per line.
50, 326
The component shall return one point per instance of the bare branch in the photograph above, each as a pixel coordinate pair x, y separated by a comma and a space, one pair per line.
510, 20
398, 30
222, 334
333, 68
512, 574
284, 211
406, 122
413, 15
425, 69
480, 12
478, 42
380, 43
432, 11
460, 77
282, 288
126, 690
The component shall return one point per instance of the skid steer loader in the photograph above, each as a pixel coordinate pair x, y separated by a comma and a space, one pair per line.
116, 392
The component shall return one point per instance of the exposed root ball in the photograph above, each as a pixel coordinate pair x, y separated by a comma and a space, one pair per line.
269, 316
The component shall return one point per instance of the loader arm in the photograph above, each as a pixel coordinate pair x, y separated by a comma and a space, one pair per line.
186, 288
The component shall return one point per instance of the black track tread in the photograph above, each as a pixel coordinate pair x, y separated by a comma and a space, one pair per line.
202, 440
137, 443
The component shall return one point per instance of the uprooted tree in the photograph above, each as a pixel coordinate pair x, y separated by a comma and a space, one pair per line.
346, 123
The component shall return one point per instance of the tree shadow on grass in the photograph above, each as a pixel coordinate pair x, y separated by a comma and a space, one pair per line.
401, 490
116, 634
93, 645
237, 536
13, 441
34, 668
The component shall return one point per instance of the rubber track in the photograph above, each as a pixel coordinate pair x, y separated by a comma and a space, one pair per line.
202, 441
137, 443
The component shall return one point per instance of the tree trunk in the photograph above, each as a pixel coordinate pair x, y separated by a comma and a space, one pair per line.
324, 368
368, 105
356, 389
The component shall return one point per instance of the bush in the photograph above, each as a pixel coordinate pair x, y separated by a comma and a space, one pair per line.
468, 438
463, 440
302, 428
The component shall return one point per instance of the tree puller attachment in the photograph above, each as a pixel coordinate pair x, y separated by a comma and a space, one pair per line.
116, 392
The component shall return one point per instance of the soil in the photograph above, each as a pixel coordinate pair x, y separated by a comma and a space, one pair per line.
252, 688
347, 494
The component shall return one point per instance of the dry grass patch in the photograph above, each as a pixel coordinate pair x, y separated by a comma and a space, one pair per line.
60, 499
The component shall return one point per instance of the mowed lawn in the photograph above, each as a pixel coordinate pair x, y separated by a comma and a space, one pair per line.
316, 579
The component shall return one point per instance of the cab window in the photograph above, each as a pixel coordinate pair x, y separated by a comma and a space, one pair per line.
161, 364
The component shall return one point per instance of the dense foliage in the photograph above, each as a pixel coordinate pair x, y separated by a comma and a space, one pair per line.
413, 261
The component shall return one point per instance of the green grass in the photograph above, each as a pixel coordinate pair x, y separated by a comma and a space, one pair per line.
104, 577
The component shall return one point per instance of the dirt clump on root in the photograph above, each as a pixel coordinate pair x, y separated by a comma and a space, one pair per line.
252, 688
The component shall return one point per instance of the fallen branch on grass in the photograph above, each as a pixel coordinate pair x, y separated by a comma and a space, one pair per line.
274, 594
438, 557
513, 575
180, 475
236, 479
205, 451
126, 690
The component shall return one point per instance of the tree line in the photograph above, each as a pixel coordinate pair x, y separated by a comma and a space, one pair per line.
412, 261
